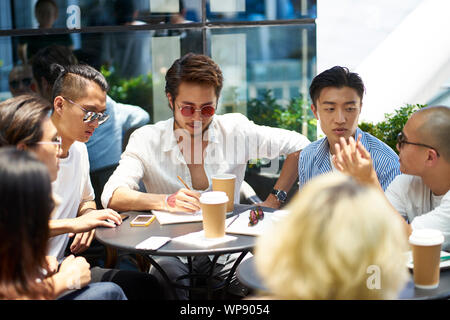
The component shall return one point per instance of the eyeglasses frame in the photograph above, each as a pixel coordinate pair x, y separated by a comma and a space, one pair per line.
197, 110
88, 113
56, 143
401, 139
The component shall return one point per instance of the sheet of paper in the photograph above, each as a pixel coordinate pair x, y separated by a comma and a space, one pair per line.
153, 243
240, 225
165, 217
198, 239
177, 217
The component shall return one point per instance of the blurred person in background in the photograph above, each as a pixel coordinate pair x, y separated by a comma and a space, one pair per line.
21, 81
336, 233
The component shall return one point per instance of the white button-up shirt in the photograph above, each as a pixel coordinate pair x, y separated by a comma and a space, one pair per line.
154, 155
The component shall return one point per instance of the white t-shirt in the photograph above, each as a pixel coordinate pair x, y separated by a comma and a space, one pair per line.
415, 201
72, 186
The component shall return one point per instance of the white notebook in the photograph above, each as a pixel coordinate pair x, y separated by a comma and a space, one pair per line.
240, 225
165, 217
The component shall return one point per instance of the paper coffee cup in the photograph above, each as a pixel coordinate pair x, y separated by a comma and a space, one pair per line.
225, 182
214, 205
426, 248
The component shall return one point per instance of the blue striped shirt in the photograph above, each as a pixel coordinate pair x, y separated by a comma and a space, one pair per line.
315, 159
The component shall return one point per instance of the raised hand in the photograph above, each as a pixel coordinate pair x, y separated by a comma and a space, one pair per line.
353, 159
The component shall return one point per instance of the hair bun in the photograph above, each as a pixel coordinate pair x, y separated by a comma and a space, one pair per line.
57, 69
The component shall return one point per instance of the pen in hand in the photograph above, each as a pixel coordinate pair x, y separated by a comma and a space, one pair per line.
184, 183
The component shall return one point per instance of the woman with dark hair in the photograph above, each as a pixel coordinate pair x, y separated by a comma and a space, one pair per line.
25, 207
26, 204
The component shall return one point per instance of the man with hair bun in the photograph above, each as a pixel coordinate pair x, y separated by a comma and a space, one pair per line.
422, 194
79, 105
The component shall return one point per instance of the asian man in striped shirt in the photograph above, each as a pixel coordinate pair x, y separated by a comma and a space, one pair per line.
336, 96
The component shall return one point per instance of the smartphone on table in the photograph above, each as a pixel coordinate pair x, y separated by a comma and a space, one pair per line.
142, 220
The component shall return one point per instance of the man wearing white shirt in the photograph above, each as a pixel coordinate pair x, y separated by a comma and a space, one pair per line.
422, 194
196, 144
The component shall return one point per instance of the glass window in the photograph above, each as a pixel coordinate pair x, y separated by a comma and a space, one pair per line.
44, 14
267, 71
257, 10
265, 48
267, 68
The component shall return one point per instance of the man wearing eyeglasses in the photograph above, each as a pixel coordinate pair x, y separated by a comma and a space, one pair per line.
195, 144
79, 101
422, 194
79, 105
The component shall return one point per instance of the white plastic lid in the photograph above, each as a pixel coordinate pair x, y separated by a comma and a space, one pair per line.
426, 237
224, 176
214, 197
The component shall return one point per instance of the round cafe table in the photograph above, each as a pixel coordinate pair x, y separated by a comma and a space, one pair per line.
247, 275
125, 237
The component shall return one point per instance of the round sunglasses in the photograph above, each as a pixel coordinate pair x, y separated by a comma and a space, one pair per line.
205, 111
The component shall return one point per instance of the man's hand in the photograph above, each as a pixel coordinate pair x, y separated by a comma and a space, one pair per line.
353, 159
75, 272
52, 265
271, 202
81, 241
96, 218
184, 200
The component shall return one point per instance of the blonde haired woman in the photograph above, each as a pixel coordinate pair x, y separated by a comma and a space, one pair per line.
341, 240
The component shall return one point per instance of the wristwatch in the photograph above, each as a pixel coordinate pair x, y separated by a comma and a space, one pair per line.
280, 194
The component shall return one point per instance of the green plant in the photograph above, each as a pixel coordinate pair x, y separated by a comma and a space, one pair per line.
388, 129
136, 91
268, 112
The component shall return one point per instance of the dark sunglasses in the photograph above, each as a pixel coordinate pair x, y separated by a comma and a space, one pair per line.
16, 83
90, 115
205, 111
401, 140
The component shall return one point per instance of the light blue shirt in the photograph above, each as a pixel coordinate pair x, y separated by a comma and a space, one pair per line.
315, 159
105, 145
